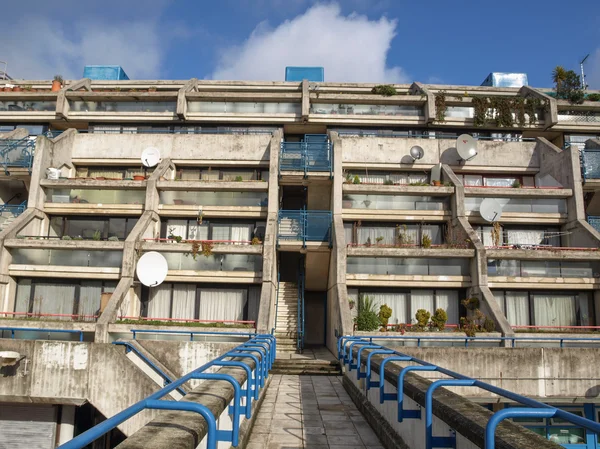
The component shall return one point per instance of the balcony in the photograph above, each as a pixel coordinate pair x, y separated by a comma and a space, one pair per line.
301, 227
314, 154
208, 204
523, 210
94, 201
16, 156
386, 207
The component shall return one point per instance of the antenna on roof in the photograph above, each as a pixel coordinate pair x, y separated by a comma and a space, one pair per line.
583, 85
466, 146
490, 210
150, 157
152, 269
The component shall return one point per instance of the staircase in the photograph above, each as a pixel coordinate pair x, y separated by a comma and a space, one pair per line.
7, 222
306, 367
286, 327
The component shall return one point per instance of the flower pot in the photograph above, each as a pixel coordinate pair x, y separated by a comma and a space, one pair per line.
56, 86
100, 178
437, 183
139, 178
17, 89
179, 202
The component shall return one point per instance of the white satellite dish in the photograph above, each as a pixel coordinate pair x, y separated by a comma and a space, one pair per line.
417, 153
466, 146
150, 157
490, 210
152, 269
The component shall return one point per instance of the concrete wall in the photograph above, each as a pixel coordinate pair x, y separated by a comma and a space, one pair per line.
216, 147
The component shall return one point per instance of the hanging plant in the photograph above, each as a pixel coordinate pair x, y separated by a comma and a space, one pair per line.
440, 106
207, 248
502, 107
496, 234
480, 107
532, 106
519, 108
195, 249
384, 89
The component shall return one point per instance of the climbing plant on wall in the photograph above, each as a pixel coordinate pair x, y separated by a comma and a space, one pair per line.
440, 106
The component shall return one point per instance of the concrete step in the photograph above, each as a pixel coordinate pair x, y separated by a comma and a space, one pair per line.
295, 366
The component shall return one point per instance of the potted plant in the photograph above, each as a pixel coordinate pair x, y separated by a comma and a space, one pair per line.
139, 178
152, 89
437, 183
57, 83
17, 88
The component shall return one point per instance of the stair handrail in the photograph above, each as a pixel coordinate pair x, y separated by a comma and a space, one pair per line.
25, 144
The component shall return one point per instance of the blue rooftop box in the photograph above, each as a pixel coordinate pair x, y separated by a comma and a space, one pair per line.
105, 72
304, 73
497, 79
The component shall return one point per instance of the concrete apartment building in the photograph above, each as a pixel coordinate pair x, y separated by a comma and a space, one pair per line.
279, 204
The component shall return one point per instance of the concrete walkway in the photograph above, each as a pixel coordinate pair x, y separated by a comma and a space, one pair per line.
310, 412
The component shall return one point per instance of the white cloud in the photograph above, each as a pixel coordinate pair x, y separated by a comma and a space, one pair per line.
351, 48
38, 48
592, 76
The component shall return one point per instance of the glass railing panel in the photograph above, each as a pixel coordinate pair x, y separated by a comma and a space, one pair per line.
214, 262
76, 258
27, 106
214, 198
394, 202
408, 266
367, 109
244, 107
528, 205
123, 106
96, 196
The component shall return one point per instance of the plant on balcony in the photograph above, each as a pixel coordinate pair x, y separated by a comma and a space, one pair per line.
97, 235
379, 240
195, 249
385, 312
207, 248
113, 238
439, 319
471, 303
567, 84
388, 182
516, 184
402, 236
503, 111
593, 97
384, 89
422, 316
238, 179
172, 236
368, 242
351, 304
356, 179
255, 241
152, 89
440, 106
419, 184
496, 234
480, 110
426, 241
78, 237
367, 318
57, 83
66, 237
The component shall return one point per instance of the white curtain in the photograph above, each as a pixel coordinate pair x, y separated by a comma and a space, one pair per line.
529, 237
184, 301
222, 304
241, 233
159, 304
348, 234
177, 227
56, 299
23, 296
517, 308
395, 301
421, 299
89, 299
198, 231
370, 178
448, 300
499, 182
253, 303
400, 178
371, 233
554, 310
472, 180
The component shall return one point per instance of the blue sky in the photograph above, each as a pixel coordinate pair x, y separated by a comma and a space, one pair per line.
438, 41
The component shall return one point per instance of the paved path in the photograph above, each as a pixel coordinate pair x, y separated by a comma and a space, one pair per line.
312, 412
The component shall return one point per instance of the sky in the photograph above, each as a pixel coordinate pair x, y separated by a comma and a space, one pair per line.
378, 41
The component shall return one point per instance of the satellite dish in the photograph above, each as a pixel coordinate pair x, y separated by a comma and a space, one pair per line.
490, 210
152, 269
150, 157
416, 152
466, 146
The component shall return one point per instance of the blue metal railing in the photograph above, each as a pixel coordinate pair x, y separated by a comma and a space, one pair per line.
261, 349
12, 331
306, 226
594, 222
192, 334
475, 341
346, 345
15, 209
16, 153
130, 348
590, 164
314, 154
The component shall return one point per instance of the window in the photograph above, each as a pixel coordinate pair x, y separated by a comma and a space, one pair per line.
189, 302
98, 228
511, 235
60, 299
556, 429
227, 232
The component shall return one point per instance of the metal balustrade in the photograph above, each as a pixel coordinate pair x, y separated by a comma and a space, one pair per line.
12, 331
594, 222
590, 164
14, 209
347, 344
314, 154
16, 153
304, 226
261, 349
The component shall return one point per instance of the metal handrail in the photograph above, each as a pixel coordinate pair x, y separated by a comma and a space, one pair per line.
313, 154
33, 329
456, 379
190, 333
262, 366
471, 340
25, 145
15, 209
130, 348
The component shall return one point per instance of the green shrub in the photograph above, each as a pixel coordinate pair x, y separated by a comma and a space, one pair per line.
422, 316
388, 182
426, 241
356, 179
439, 319
593, 97
471, 303
385, 313
97, 235
489, 325
384, 89
367, 318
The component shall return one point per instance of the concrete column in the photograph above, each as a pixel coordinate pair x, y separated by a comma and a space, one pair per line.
268, 293
191, 85
66, 427
429, 107
305, 100
551, 112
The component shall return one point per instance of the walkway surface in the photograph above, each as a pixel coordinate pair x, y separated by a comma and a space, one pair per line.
312, 412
